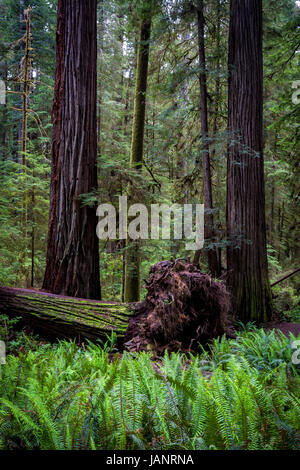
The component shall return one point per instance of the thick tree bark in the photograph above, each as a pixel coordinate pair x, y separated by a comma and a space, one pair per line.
72, 251
66, 317
132, 266
246, 254
217, 106
212, 256
99, 84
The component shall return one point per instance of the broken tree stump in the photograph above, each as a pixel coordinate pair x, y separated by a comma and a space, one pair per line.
183, 307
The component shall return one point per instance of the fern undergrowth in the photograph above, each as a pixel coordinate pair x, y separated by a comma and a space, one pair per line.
241, 394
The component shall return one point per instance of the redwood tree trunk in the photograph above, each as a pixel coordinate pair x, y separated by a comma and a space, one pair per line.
72, 251
246, 231
213, 263
132, 265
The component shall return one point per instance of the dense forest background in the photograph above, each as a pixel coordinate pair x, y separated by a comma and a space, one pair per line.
172, 161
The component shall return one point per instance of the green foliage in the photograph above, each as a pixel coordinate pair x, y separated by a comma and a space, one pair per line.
281, 69
24, 192
16, 340
6, 327
273, 262
263, 350
16, 238
292, 315
66, 397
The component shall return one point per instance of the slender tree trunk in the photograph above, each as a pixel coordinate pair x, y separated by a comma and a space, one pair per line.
126, 106
4, 116
246, 230
272, 209
278, 247
132, 268
125, 133
218, 71
217, 233
285, 277
25, 87
212, 255
99, 85
281, 223
22, 7
32, 237
26, 84
72, 252
271, 232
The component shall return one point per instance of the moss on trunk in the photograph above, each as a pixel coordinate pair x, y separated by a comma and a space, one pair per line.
132, 271
66, 317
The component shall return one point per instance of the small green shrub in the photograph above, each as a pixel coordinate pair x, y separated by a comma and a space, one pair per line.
285, 299
293, 315
14, 339
6, 327
263, 350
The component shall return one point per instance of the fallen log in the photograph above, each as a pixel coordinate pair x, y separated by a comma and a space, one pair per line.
66, 317
183, 307
285, 277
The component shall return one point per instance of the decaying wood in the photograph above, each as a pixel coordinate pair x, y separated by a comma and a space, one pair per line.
183, 307
65, 317
285, 277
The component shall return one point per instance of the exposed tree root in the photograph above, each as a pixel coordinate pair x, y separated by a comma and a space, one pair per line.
183, 307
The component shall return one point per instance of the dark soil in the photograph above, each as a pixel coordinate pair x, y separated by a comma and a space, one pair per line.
285, 327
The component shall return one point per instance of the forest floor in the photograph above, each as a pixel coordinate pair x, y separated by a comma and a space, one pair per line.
285, 327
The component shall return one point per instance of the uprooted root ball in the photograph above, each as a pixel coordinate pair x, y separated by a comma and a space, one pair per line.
183, 307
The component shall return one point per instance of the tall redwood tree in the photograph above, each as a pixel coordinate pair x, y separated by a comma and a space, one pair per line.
72, 251
246, 231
